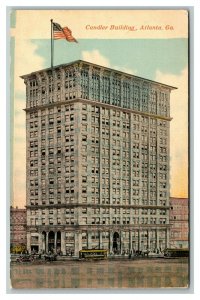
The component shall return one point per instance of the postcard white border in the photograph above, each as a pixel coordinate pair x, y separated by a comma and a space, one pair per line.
194, 134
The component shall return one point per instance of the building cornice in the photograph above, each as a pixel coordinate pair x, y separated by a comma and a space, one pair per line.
100, 104
98, 227
81, 62
35, 207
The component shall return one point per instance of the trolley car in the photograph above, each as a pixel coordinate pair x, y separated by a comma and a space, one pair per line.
169, 252
93, 254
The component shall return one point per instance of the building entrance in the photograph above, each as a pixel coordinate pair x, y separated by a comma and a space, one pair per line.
58, 243
34, 249
116, 243
51, 241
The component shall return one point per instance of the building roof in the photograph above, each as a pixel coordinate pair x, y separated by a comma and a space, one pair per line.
177, 198
177, 201
17, 209
96, 65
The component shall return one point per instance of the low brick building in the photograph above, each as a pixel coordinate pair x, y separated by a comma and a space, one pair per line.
179, 220
18, 233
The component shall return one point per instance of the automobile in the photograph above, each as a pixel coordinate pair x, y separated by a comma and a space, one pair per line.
25, 258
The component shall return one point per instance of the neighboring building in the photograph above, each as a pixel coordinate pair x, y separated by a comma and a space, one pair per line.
179, 221
18, 229
97, 160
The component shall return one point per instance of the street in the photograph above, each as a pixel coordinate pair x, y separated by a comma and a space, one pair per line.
137, 273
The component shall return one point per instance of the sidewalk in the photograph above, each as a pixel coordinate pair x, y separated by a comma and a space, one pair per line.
110, 257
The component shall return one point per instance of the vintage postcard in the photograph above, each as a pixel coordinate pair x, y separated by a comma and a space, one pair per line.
99, 103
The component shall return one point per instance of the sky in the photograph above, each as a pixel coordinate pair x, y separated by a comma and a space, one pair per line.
157, 55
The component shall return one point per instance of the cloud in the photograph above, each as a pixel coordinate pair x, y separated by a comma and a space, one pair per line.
19, 174
125, 70
178, 131
19, 159
96, 57
25, 61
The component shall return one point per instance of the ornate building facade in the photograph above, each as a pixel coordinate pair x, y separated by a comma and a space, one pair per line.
18, 232
97, 160
179, 221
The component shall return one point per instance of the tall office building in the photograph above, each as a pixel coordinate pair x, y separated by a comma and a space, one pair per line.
97, 160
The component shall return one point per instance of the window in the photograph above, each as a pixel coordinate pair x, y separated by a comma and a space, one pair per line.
51, 121
162, 221
84, 190
51, 191
84, 199
84, 210
84, 127
59, 129
84, 179
84, 138
84, 222
50, 221
51, 151
84, 117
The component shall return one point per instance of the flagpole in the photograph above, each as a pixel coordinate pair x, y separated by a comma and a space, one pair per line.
52, 50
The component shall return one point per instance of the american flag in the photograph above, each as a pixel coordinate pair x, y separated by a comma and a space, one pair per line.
62, 33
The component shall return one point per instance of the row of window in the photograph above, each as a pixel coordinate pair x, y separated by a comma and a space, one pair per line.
117, 144
107, 82
96, 220
33, 100
124, 121
104, 111
70, 236
105, 152
95, 200
116, 170
94, 129
94, 138
94, 211
94, 190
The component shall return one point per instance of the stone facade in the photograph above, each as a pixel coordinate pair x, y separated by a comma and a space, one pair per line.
97, 160
17, 229
179, 221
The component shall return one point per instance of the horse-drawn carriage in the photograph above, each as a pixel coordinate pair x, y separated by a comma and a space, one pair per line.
50, 257
141, 253
25, 258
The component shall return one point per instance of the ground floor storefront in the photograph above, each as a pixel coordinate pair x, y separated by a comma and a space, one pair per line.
117, 241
